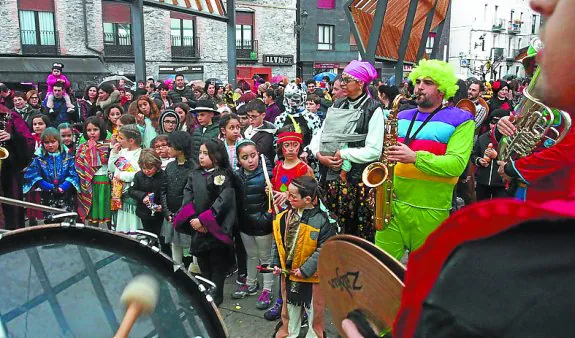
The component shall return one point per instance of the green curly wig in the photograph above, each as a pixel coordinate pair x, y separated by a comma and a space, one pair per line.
441, 72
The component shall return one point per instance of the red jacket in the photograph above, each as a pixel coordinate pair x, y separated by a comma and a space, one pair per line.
480, 220
550, 173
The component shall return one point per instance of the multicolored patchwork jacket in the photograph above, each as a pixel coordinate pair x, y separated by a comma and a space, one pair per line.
443, 147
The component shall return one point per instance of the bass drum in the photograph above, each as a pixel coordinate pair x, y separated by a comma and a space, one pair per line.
66, 281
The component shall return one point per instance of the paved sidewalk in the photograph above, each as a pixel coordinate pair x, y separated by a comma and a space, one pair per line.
243, 320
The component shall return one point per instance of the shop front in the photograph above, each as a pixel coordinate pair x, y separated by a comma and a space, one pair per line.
190, 73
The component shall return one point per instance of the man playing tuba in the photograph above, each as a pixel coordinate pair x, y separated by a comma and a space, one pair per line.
433, 151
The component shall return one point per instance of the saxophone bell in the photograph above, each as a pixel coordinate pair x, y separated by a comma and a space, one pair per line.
374, 174
4, 153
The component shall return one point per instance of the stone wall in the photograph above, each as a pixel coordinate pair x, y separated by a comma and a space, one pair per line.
10, 37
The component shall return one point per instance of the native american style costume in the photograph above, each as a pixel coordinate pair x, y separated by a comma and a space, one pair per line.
94, 194
298, 238
50, 171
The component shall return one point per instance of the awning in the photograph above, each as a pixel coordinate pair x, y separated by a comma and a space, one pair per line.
36, 69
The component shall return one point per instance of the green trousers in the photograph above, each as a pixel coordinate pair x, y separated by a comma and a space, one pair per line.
408, 228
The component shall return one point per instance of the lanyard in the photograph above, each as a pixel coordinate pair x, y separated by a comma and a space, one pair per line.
409, 138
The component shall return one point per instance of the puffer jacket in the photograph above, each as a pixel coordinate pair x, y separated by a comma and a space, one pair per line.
177, 177
254, 217
144, 185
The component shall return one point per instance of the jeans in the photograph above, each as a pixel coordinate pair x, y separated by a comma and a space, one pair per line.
258, 249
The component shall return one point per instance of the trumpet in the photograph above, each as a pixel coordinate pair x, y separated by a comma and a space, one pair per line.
378, 173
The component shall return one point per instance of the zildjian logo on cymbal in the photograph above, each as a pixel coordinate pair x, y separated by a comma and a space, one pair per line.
347, 282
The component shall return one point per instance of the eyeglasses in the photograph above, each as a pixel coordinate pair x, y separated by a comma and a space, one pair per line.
347, 79
253, 117
161, 145
170, 122
34, 98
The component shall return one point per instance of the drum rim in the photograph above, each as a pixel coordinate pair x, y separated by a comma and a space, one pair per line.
19, 239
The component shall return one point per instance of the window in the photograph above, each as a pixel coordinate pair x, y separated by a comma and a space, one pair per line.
37, 28
325, 37
326, 4
534, 24
182, 32
429, 43
244, 30
117, 34
352, 43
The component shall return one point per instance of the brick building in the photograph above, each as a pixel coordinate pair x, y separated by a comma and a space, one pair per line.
93, 38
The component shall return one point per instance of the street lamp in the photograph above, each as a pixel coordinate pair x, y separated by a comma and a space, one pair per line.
303, 19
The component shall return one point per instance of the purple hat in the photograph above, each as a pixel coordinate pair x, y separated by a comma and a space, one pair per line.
361, 71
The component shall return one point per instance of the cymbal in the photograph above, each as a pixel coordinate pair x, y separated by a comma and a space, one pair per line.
352, 278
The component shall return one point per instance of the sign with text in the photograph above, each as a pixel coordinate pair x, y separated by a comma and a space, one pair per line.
278, 60
181, 69
325, 65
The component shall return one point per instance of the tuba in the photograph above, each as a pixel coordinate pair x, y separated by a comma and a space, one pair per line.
378, 173
537, 124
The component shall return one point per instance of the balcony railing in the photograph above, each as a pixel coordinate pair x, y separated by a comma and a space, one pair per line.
186, 48
247, 50
115, 45
514, 27
40, 42
498, 25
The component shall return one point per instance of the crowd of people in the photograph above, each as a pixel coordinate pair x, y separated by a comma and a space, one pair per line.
231, 179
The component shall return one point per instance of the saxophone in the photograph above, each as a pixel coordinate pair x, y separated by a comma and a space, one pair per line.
379, 174
4, 118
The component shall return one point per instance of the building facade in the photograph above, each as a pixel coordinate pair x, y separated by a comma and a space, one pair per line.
325, 40
93, 38
488, 36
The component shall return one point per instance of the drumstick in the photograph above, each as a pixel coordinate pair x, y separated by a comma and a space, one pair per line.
269, 184
140, 297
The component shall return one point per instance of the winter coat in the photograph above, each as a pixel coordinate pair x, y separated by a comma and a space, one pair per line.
199, 136
254, 218
209, 197
173, 195
114, 97
52, 79
27, 112
143, 185
263, 137
486, 175
176, 95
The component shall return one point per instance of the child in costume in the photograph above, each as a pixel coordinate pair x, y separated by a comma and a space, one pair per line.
209, 213
53, 171
123, 167
299, 232
38, 123
57, 76
112, 116
255, 222
177, 172
149, 183
290, 165
92, 167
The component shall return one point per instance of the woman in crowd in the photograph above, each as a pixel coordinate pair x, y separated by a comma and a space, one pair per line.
87, 103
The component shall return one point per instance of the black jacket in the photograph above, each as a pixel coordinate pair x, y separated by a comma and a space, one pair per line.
176, 179
486, 175
254, 218
263, 136
211, 195
176, 96
144, 185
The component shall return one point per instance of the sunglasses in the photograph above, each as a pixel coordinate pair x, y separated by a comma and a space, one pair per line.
34, 98
347, 80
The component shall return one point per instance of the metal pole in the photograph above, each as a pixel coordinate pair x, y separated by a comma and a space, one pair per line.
24, 204
375, 31
439, 34
138, 41
426, 29
405, 40
232, 62
360, 46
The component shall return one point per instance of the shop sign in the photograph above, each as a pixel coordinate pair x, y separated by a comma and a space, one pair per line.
278, 60
325, 65
181, 69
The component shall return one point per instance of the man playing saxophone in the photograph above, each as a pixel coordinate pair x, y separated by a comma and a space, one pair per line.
433, 150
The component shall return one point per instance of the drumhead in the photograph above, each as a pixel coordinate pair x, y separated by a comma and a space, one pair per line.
66, 281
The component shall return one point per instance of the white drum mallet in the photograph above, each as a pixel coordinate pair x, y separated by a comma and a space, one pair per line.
140, 297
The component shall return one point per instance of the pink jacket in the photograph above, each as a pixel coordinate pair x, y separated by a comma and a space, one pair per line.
51, 81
